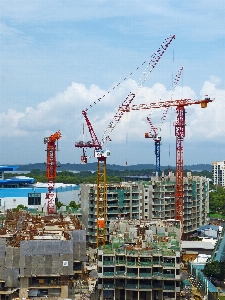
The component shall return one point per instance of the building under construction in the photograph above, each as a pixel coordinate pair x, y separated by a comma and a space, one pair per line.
150, 199
40, 255
142, 260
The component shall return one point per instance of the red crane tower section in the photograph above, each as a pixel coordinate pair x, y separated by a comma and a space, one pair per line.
51, 166
180, 134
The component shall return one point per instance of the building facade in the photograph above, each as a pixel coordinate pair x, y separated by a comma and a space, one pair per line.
142, 260
152, 199
23, 190
40, 256
158, 200
218, 169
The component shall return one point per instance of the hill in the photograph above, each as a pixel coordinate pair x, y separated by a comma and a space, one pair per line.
93, 167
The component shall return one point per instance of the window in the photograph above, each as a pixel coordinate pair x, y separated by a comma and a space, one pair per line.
34, 198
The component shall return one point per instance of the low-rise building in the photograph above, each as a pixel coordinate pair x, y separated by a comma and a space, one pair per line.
22, 190
40, 255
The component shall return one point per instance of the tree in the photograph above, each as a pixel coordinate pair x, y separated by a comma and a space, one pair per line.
215, 270
73, 204
20, 207
58, 204
217, 200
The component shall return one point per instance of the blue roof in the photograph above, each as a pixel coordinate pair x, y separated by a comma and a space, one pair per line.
22, 192
27, 180
208, 226
8, 168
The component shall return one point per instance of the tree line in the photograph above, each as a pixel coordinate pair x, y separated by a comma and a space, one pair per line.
216, 196
69, 177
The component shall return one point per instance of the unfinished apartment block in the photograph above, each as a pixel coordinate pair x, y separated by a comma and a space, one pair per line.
40, 255
122, 199
152, 199
142, 260
158, 200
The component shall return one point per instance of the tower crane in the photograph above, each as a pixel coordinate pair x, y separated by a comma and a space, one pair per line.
180, 134
154, 133
51, 166
102, 154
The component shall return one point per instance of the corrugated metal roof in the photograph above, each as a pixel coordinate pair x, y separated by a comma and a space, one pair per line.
197, 245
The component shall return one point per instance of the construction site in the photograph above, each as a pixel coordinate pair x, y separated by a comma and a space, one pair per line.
142, 260
127, 243
40, 255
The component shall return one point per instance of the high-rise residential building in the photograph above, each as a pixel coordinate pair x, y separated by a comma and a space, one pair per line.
218, 170
152, 199
142, 260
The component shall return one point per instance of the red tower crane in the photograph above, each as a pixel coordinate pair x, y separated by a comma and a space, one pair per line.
102, 154
180, 134
51, 166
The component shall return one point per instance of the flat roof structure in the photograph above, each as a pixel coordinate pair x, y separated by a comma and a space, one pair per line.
8, 168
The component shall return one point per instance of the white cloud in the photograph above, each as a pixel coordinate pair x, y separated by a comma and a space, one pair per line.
9, 124
63, 112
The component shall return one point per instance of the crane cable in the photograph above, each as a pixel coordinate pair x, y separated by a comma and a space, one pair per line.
153, 59
151, 65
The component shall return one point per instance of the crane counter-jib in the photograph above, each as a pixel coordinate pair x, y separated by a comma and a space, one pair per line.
169, 103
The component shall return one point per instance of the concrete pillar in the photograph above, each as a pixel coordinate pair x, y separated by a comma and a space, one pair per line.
23, 293
64, 291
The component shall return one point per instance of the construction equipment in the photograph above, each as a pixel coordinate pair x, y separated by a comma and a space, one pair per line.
180, 134
154, 133
102, 154
51, 166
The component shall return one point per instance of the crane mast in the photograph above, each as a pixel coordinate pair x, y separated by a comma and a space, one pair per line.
157, 139
101, 156
180, 134
179, 190
51, 166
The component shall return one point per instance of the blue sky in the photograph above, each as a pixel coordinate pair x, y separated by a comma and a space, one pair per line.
58, 57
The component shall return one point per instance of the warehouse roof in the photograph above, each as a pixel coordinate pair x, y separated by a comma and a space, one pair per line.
209, 245
8, 168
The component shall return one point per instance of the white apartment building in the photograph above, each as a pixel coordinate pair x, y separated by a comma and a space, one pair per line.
218, 168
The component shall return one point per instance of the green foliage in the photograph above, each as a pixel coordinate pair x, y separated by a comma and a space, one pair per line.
73, 204
36, 171
69, 177
58, 204
217, 200
215, 270
19, 207
207, 174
